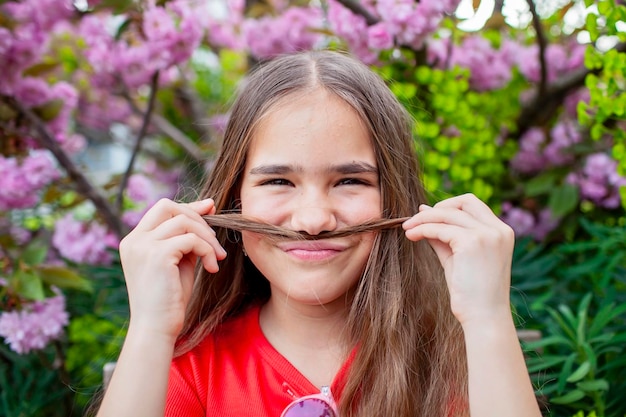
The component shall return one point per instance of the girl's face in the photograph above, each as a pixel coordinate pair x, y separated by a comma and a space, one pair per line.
311, 167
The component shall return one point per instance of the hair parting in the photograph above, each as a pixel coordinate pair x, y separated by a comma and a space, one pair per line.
239, 223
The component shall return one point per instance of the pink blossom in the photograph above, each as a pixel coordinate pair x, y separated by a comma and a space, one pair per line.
44, 14
489, 68
174, 29
225, 32
563, 135
521, 221
6, 39
438, 52
294, 30
353, 29
20, 235
525, 223
559, 60
546, 223
23, 48
140, 188
36, 325
72, 144
68, 95
20, 181
157, 23
599, 181
99, 109
32, 92
529, 159
81, 242
131, 218
570, 104
378, 37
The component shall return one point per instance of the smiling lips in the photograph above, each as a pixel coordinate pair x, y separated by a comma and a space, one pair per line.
312, 251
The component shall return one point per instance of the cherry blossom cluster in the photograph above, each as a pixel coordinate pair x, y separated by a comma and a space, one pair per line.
35, 325
83, 242
400, 22
146, 188
22, 179
525, 223
539, 151
599, 181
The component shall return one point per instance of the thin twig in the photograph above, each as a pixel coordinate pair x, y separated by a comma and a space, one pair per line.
168, 129
358, 9
154, 82
542, 107
542, 42
83, 186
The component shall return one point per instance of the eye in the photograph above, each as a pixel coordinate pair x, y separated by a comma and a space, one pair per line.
353, 181
276, 181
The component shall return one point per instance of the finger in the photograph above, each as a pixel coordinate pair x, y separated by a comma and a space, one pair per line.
191, 244
206, 206
434, 231
165, 209
444, 215
469, 203
183, 224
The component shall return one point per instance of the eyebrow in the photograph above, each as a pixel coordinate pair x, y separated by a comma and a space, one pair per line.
348, 168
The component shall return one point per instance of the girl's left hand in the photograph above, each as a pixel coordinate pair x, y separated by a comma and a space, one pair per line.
475, 249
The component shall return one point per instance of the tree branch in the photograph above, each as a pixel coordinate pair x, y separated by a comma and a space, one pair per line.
84, 187
154, 82
542, 42
543, 106
358, 9
168, 129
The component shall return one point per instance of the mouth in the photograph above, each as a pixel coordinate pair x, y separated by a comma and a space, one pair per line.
312, 250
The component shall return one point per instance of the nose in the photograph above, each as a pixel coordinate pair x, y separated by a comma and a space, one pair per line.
313, 219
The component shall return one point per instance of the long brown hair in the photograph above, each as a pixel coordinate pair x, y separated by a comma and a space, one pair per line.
411, 355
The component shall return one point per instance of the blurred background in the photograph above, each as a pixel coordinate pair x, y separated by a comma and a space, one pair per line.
107, 106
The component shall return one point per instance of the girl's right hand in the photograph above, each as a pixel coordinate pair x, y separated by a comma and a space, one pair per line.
158, 258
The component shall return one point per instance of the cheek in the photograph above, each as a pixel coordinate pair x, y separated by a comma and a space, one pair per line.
360, 209
261, 207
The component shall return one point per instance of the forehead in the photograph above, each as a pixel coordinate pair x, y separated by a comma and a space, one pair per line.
317, 122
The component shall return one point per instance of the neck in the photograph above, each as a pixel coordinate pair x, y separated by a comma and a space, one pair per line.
312, 338
313, 326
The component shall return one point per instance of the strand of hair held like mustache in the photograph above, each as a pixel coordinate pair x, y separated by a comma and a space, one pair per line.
238, 222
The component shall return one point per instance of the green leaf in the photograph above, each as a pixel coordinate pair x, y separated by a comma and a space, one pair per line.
565, 371
50, 110
606, 314
35, 253
580, 372
64, 278
591, 24
541, 184
604, 7
570, 397
545, 362
41, 68
563, 200
547, 341
423, 74
28, 284
595, 385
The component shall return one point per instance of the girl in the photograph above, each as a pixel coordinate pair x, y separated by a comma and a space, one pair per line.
412, 321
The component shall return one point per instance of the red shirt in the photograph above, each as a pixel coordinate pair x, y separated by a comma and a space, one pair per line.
236, 372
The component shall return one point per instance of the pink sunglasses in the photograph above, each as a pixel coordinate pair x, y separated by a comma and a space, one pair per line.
317, 405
